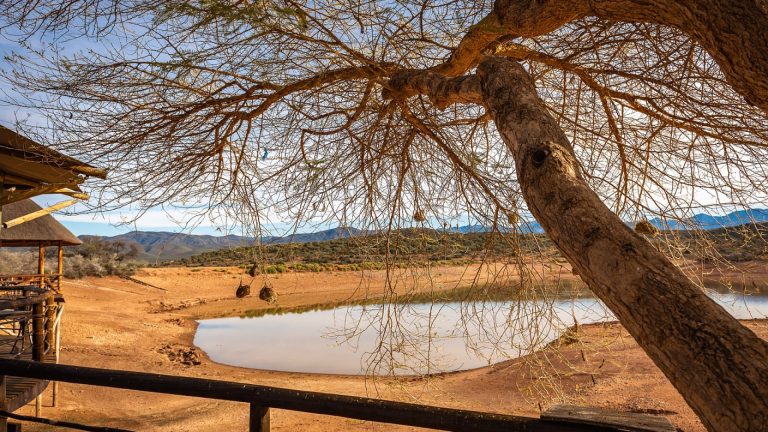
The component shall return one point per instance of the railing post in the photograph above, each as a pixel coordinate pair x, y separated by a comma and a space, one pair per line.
38, 344
50, 336
259, 418
3, 405
50, 320
57, 350
38, 332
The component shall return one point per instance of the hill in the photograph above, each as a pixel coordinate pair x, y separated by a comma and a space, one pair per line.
153, 246
703, 221
406, 245
733, 243
159, 246
164, 246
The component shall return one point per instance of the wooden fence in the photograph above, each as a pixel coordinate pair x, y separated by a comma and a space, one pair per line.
262, 398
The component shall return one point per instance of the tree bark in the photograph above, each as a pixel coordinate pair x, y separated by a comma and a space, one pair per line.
719, 366
734, 32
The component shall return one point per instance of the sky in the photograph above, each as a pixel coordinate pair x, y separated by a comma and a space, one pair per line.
117, 222
102, 223
171, 218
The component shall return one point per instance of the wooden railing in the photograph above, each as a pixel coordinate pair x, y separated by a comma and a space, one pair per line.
48, 281
29, 330
262, 398
31, 313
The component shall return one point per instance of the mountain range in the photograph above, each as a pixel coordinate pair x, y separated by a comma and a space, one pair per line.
155, 246
161, 245
707, 222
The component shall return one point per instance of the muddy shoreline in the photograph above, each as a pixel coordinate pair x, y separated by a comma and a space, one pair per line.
118, 324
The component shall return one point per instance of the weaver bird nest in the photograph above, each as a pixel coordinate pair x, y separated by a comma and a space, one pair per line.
419, 216
243, 291
268, 294
645, 227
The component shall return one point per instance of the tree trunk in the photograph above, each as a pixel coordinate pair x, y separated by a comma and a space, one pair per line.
719, 366
734, 32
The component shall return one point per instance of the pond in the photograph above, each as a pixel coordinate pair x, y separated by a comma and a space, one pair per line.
409, 339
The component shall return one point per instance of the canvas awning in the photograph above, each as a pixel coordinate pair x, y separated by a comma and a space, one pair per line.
43, 230
29, 169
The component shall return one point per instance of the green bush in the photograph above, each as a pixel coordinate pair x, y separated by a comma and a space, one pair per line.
270, 269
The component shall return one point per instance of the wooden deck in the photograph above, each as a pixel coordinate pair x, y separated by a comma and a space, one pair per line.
21, 391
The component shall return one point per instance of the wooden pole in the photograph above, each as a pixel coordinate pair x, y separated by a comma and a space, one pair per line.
50, 311
38, 332
57, 327
60, 269
259, 418
3, 404
41, 263
58, 352
39, 213
38, 343
57, 349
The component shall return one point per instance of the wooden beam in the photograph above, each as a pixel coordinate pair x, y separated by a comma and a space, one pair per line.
16, 195
62, 424
90, 171
74, 194
29, 300
39, 213
600, 417
360, 408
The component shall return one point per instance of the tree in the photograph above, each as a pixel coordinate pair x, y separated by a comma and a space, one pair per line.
376, 111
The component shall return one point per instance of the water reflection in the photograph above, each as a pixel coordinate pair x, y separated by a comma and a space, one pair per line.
410, 338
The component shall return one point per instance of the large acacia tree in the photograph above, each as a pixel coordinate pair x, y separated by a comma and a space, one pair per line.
582, 113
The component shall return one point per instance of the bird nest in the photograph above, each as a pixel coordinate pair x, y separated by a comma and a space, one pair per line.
419, 216
243, 291
647, 228
268, 294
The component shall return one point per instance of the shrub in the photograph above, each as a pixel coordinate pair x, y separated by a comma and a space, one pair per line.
270, 269
92, 258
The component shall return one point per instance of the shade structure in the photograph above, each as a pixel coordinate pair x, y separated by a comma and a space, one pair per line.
43, 230
29, 169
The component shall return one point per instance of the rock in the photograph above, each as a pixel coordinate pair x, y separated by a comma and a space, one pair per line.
182, 354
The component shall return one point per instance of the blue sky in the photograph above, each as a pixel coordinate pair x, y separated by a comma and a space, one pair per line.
77, 220
173, 219
102, 223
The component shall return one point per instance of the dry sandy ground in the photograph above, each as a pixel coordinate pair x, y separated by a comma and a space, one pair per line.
115, 323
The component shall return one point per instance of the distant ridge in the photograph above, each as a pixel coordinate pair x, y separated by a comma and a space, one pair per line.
707, 222
156, 246
159, 245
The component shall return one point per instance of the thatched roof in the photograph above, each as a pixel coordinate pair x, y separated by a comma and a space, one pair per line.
44, 229
28, 169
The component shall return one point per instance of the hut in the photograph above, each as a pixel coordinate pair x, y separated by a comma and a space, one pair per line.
31, 305
39, 232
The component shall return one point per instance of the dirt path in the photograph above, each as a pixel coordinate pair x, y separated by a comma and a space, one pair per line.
115, 323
